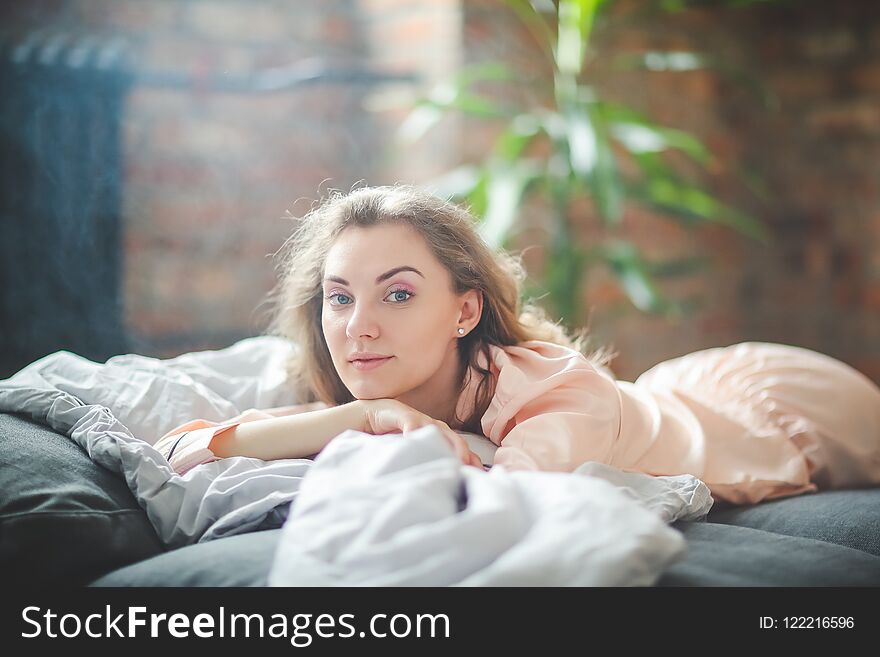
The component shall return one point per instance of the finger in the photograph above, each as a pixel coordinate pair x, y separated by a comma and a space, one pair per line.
460, 446
451, 438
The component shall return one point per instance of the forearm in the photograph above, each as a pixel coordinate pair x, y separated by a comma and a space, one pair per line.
281, 411
292, 436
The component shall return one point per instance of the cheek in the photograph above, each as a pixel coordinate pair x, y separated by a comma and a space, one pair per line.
334, 331
422, 336
336, 323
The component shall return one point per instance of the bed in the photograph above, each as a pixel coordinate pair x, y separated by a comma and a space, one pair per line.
85, 524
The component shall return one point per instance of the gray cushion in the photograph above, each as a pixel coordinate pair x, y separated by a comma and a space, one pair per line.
63, 518
726, 555
233, 561
846, 517
718, 555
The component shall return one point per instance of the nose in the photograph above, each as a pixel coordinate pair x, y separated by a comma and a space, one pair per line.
361, 324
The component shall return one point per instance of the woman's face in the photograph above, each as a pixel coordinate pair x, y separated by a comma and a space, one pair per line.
385, 293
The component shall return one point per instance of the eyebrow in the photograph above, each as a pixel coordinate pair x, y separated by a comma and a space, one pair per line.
382, 277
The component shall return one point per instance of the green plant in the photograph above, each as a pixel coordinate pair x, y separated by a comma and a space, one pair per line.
573, 146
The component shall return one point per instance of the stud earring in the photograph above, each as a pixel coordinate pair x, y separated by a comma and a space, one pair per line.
460, 331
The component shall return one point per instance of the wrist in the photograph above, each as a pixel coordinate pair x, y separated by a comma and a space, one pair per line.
359, 419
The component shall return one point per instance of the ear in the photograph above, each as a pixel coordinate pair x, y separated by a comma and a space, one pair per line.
470, 309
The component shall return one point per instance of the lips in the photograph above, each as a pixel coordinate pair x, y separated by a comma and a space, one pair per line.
370, 363
366, 355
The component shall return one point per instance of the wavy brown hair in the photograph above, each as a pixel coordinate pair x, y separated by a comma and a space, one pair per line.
451, 233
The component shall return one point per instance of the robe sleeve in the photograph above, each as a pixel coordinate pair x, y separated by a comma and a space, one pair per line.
189, 445
552, 410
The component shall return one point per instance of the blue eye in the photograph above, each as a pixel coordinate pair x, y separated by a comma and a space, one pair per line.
397, 300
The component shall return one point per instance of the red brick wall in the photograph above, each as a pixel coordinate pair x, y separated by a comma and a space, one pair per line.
210, 174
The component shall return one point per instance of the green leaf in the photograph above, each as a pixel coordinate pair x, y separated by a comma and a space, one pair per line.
454, 95
677, 267
693, 205
644, 138
563, 276
478, 196
589, 156
484, 72
428, 113
608, 188
680, 5
638, 288
521, 131
664, 61
535, 23
506, 183
569, 43
465, 183
554, 124
606, 184
458, 183
474, 104
684, 61
421, 119
673, 5
575, 24
629, 268
652, 165
638, 134
636, 276
582, 147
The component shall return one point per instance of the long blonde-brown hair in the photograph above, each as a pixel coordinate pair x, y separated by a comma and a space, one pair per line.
451, 233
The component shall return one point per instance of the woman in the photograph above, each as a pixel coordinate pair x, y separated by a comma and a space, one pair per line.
403, 317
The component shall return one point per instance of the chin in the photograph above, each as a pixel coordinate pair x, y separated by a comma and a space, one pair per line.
361, 391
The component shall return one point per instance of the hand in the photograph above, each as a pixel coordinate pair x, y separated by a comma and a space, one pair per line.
391, 416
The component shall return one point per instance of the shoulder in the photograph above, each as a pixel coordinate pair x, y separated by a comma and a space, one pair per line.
533, 374
537, 378
532, 368
537, 358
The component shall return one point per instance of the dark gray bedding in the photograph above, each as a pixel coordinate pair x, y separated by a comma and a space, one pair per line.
718, 555
83, 526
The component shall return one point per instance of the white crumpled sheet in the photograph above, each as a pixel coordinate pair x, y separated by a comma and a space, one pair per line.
370, 510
